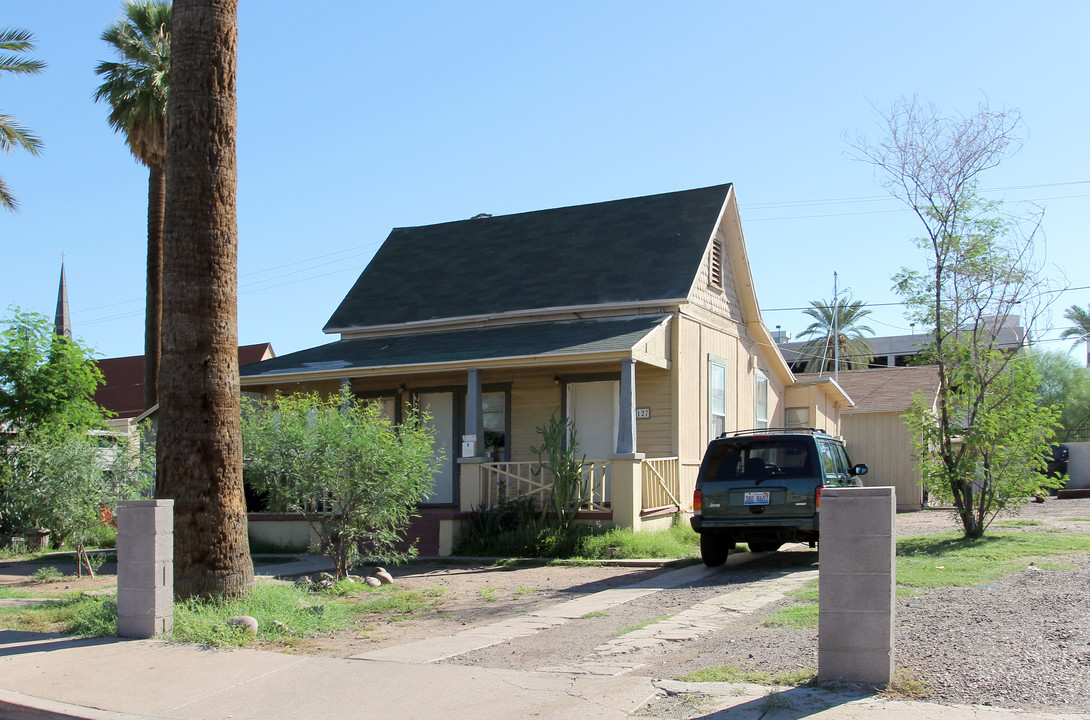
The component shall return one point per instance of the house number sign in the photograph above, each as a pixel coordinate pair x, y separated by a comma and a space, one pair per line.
643, 413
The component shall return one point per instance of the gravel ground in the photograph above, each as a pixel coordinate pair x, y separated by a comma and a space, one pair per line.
1022, 643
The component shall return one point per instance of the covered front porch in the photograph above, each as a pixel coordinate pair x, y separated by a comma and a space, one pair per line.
487, 391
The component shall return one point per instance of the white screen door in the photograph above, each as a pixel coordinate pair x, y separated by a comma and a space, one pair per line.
440, 405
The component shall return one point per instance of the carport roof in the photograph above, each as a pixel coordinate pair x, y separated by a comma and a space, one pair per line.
545, 340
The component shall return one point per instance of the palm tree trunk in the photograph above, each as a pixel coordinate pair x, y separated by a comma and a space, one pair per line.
199, 446
153, 313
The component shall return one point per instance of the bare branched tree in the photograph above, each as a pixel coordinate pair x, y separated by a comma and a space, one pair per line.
982, 276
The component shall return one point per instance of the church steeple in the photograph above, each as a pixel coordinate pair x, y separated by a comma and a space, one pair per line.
63, 319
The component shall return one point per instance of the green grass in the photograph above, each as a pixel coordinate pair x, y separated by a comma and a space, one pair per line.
796, 617
806, 593
296, 611
678, 541
1075, 519
643, 623
949, 559
73, 615
734, 674
488, 594
594, 614
1018, 523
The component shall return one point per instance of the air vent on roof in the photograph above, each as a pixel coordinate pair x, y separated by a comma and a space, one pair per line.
481, 216
715, 275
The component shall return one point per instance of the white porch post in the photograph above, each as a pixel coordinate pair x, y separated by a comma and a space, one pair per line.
626, 412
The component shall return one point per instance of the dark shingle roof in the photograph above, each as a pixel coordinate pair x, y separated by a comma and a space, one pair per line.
527, 340
639, 249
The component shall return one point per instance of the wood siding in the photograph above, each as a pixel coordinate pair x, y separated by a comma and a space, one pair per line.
883, 442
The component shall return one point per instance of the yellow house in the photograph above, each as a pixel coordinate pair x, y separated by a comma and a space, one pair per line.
637, 319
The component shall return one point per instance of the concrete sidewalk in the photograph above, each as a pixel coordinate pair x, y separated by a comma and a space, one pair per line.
52, 676
48, 676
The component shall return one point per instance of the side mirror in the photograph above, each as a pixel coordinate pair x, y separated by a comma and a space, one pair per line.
860, 469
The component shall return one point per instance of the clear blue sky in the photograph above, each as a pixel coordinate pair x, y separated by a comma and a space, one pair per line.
357, 117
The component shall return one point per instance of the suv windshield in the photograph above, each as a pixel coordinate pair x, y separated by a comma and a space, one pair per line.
758, 458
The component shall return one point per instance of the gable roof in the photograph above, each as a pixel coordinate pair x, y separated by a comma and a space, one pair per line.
504, 344
628, 251
887, 389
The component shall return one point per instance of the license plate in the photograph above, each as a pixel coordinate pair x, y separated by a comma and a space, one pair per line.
756, 498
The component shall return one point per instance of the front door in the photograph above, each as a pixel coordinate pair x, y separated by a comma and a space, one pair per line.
592, 408
440, 406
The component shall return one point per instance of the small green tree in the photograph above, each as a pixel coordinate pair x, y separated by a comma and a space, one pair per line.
558, 455
46, 382
46, 389
982, 443
70, 485
356, 476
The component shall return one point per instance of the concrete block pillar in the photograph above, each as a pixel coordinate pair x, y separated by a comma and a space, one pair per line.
145, 568
857, 582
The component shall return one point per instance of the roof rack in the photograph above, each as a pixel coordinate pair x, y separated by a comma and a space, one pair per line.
766, 431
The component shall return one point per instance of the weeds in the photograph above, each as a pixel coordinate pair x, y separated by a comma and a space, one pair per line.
644, 623
280, 611
905, 686
47, 574
734, 674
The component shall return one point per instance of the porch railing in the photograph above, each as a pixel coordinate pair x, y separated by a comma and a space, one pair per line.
523, 479
659, 483
661, 486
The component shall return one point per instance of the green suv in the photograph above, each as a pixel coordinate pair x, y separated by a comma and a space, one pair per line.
763, 487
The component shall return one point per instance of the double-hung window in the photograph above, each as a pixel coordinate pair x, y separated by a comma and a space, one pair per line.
717, 396
760, 400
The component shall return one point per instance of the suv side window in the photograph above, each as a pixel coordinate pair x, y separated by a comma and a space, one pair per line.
846, 463
836, 472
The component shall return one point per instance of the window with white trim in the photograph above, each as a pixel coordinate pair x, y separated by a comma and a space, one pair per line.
717, 396
760, 400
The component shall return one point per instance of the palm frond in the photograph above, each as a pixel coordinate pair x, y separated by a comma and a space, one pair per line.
13, 135
137, 86
17, 40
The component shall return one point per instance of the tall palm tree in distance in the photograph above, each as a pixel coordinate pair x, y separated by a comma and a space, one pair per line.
199, 442
1080, 329
13, 43
846, 341
136, 88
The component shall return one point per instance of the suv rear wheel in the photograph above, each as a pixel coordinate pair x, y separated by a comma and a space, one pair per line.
713, 549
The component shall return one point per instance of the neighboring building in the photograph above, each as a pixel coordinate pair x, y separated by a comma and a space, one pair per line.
122, 391
637, 319
874, 432
904, 350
